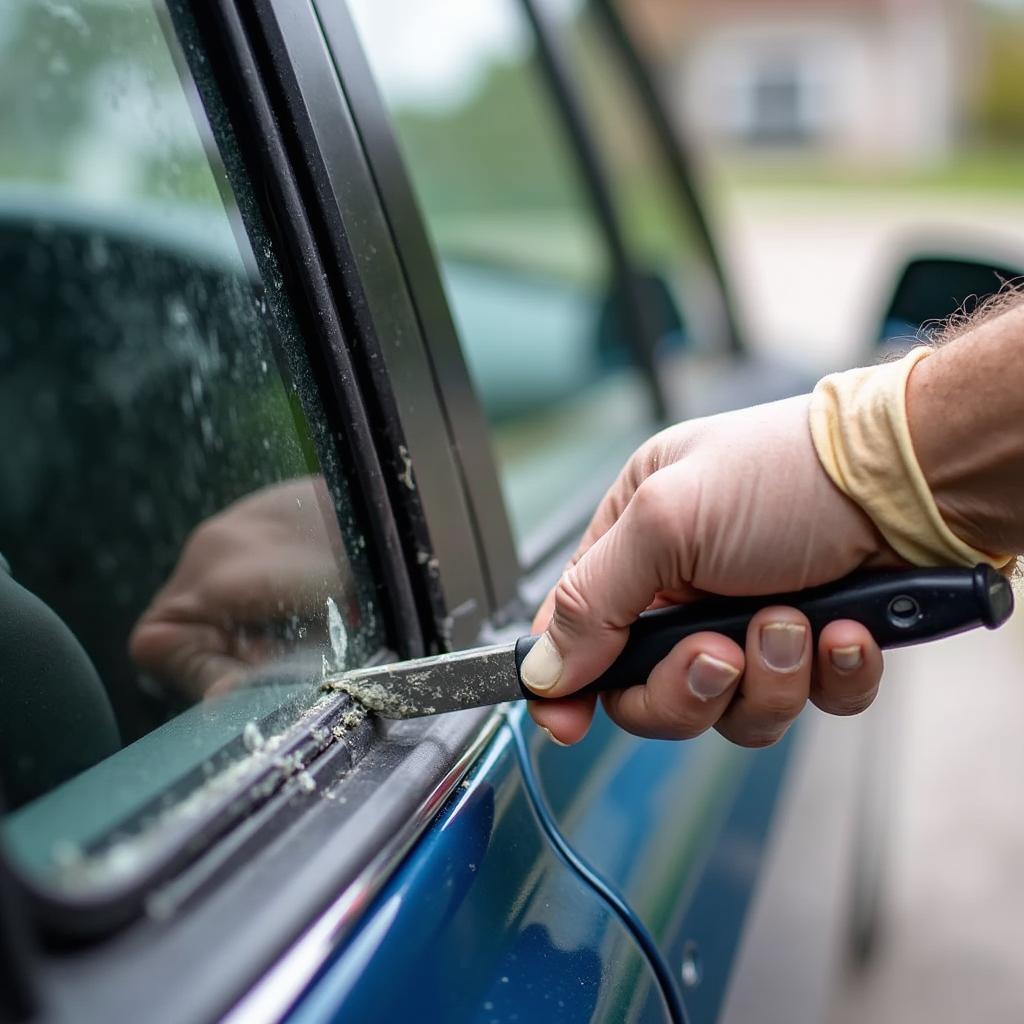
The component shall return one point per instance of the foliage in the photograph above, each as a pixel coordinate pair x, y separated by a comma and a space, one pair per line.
999, 103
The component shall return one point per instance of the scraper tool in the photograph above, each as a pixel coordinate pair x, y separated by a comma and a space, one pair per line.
898, 608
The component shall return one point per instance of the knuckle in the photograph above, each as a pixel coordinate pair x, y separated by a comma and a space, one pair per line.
570, 603
655, 716
678, 722
646, 460
779, 708
678, 713
210, 536
657, 506
759, 739
845, 705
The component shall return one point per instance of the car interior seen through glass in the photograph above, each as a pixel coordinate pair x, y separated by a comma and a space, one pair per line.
524, 262
179, 565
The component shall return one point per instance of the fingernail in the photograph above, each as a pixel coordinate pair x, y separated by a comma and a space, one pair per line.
551, 736
708, 677
846, 659
542, 667
782, 645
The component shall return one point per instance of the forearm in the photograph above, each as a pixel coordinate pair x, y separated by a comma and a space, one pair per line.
965, 408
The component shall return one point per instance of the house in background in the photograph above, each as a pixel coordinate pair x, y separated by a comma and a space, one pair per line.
868, 81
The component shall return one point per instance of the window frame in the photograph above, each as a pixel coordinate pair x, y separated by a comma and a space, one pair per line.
311, 181
511, 568
422, 275
506, 562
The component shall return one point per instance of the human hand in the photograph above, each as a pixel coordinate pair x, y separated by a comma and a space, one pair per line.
736, 504
251, 584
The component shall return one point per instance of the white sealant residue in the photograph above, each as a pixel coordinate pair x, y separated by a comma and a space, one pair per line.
406, 475
337, 634
79, 870
252, 738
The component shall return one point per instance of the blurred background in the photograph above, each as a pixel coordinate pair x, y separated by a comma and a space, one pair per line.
836, 139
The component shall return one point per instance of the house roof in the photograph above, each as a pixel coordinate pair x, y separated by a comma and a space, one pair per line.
661, 23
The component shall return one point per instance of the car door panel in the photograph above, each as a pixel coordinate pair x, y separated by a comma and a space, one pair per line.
677, 828
484, 922
703, 941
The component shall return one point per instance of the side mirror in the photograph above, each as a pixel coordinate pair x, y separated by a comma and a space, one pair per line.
933, 287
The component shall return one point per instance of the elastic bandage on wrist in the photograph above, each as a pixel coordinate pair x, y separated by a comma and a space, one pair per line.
858, 422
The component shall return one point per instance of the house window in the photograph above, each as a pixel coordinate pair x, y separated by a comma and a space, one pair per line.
776, 102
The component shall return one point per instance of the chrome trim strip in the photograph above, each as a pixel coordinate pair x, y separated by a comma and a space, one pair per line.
278, 990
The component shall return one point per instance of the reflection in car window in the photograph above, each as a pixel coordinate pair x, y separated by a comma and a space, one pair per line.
661, 233
178, 575
524, 265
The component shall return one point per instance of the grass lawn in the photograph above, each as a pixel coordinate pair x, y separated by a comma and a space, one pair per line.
994, 171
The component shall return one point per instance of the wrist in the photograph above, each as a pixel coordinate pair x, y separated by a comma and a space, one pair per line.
862, 436
963, 412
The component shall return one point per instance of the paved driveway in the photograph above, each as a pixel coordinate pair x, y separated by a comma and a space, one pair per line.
955, 945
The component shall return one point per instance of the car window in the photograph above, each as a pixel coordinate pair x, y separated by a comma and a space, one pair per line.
523, 260
180, 564
661, 232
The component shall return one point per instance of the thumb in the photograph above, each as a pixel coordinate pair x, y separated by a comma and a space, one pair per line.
597, 599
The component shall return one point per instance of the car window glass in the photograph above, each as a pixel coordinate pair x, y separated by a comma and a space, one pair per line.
660, 230
524, 264
179, 564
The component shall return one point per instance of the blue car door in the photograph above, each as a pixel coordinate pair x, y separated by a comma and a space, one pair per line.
484, 922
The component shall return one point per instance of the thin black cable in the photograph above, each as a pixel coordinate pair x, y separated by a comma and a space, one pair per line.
601, 886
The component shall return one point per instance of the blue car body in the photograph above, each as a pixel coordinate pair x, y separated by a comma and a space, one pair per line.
489, 920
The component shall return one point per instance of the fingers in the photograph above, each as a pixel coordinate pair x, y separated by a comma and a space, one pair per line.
194, 657
750, 695
567, 720
685, 694
543, 616
642, 554
777, 680
849, 669
607, 514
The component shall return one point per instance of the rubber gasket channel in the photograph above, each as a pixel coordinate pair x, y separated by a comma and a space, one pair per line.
278, 990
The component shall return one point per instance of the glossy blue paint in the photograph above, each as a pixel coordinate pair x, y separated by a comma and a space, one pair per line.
678, 828
717, 904
483, 922
600, 884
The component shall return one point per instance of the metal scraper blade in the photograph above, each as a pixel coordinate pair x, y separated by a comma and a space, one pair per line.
431, 686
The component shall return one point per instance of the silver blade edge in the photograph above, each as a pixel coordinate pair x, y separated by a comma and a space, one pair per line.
431, 686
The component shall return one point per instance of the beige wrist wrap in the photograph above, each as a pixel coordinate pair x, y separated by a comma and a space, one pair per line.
859, 426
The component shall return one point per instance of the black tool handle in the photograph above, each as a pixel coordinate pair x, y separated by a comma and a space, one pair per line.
898, 608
